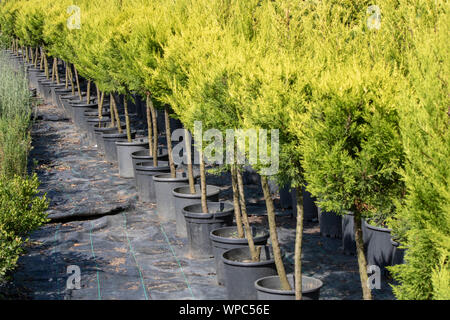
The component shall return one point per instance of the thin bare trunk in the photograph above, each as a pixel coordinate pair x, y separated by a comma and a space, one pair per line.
149, 125
254, 251
100, 108
274, 235
71, 80
53, 70
55, 62
155, 134
67, 77
237, 208
362, 263
46, 66
88, 92
41, 63
31, 55
127, 117
116, 113
78, 83
187, 141
298, 245
111, 110
36, 54
203, 182
173, 173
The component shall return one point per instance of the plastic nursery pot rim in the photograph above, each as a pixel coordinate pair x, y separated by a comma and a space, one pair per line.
96, 120
135, 142
269, 261
228, 209
381, 229
148, 166
162, 152
210, 191
166, 177
259, 285
231, 240
82, 105
113, 136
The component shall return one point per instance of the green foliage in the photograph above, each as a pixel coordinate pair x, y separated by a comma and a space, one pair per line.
15, 119
21, 211
423, 221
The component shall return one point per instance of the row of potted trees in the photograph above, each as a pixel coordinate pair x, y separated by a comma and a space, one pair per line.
319, 72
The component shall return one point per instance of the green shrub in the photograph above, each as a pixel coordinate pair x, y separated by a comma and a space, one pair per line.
21, 211
422, 222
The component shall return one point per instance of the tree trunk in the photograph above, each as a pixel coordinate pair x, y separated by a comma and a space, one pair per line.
100, 108
298, 245
187, 141
127, 117
53, 70
67, 77
31, 55
116, 113
41, 62
71, 80
173, 173
78, 83
46, 67
237, 208
55, 62
362, 263
203, 182
149, 125
88, 92
111, 110
36, 54
274, 235
254, 252
155, 134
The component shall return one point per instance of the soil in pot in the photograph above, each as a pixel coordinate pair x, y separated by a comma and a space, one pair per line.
143, 155
310, 212
200, 224
330, 224
144, 179
223, 239
109, 142
379, 249
183, 198
241, 272
124, 151
269, 288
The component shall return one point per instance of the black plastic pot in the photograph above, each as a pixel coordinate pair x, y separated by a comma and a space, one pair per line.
99, 130
67, 100
124, 151
92, 121
78, 110
58, 92
143, 155
268, 288
165, 201
398, 254
144, 179
200, 224
241, 273
109, 142
310, 212
330, 224
45, 89
224, 239
379, 249
183, 198
53, 88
